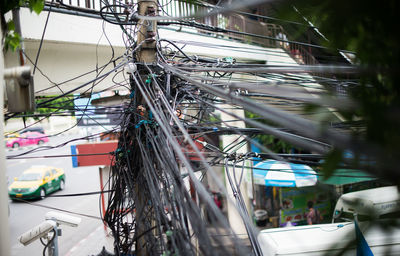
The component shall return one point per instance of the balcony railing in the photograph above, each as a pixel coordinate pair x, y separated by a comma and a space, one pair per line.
231, 21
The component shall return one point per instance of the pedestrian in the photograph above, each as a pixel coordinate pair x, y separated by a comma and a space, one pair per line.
313, 215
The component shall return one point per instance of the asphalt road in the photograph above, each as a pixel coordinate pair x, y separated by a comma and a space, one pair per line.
24, 216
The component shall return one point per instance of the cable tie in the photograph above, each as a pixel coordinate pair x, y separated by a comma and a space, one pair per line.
142, 122
139, 124
232, 156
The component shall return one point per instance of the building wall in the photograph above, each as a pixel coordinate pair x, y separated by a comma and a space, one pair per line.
74, 45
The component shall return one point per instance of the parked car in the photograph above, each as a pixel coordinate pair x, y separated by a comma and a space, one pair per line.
377, 212
37, 182
28, 138
382, 236
11, 135
32, 129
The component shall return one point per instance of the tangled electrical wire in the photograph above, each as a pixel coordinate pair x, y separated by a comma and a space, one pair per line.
158, 203
162, 148
150, 206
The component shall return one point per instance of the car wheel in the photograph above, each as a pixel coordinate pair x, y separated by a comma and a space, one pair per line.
62, 184
42, 193
40, 142
15, 145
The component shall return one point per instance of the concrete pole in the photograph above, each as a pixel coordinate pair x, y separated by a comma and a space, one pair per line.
17, 23
146, 54
4, 207
147, 31
234, 218
104, 174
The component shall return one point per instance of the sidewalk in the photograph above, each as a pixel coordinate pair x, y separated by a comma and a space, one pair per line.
93, 244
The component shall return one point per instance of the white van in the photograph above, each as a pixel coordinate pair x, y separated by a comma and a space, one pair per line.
376, 203
332, 239
329, 239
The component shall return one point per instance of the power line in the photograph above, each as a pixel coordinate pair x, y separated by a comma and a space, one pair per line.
41, 41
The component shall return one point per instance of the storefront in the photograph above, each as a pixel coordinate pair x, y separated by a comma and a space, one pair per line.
294, 204
283, 189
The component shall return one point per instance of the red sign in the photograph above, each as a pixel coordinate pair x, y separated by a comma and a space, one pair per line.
91, 154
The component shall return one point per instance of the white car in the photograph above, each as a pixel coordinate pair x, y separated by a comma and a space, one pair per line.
379, 208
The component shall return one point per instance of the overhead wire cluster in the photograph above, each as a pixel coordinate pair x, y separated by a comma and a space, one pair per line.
157, 195
158, 203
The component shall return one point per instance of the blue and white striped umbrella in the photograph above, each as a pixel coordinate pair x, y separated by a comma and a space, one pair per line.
283, 174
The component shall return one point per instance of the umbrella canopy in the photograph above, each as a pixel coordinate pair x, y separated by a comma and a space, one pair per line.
283, 174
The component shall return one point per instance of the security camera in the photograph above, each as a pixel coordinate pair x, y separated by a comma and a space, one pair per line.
37, 232
62, 218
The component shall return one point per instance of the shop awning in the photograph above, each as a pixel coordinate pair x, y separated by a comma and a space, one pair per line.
346, 176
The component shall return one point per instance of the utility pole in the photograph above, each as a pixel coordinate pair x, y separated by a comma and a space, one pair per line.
146, 54
17, 23
147, 31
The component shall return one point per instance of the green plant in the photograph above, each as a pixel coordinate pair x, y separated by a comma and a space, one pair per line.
63, 103
11, 38
367, 29
271, 142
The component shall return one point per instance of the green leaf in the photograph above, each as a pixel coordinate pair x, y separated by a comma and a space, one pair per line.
310, 107
10, 25
36, 5
331, 163
7, 5
12, 40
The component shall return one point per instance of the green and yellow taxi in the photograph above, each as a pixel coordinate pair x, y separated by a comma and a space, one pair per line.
37, 182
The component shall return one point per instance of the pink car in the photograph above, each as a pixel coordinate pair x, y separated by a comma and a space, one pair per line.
28, 138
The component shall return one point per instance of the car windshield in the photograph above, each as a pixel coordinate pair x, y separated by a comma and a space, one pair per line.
29, 177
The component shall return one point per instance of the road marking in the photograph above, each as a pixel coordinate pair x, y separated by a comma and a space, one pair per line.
81, 242
71, 250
